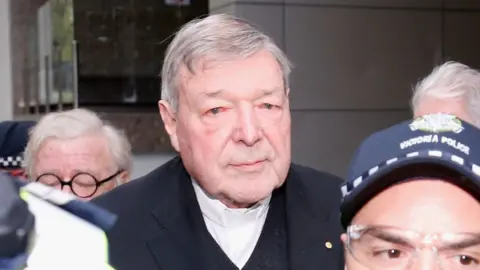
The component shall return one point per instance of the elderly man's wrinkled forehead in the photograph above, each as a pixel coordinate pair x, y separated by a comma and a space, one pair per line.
187, 71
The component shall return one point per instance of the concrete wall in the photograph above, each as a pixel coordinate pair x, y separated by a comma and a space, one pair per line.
143, 164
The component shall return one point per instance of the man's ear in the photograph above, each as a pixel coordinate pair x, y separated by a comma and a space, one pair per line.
287, 95
169, 121
343, 237
124, 177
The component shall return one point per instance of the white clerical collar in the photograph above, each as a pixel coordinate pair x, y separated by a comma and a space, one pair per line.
220, 214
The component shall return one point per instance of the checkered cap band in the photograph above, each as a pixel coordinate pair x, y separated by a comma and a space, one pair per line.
11, 162
350, 186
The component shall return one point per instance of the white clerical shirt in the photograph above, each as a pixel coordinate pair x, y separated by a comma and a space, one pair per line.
235, 230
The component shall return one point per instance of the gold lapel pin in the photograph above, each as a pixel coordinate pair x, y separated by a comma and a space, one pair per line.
328, 245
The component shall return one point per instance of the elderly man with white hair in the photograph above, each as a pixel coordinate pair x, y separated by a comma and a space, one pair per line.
77, 152
232, 199
452, 88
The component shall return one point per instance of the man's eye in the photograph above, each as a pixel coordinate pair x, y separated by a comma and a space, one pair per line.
466, 260
215, 110
268, 106
82, 184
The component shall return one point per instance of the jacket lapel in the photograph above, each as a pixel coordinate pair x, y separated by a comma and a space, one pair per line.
314, 238
179, 218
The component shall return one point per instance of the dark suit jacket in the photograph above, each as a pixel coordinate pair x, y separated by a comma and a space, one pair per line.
155, 228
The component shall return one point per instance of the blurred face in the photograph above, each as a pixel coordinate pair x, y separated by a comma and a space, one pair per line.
424, 224
79, 160
450, 106
232, 128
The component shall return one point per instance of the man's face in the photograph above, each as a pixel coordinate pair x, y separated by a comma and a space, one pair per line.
67, 158
232, 128
424, 206
450, 106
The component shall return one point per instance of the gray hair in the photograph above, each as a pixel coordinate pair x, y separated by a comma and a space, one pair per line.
452, 80
214, 38
73, 124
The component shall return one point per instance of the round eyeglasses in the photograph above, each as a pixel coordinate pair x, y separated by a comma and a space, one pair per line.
389, 248
82, 184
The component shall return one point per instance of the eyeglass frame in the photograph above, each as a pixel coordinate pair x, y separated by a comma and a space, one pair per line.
98, 183
426, 237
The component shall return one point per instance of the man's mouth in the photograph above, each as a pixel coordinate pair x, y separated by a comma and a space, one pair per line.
249, 165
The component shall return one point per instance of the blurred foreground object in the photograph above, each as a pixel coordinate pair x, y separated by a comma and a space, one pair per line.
42, 228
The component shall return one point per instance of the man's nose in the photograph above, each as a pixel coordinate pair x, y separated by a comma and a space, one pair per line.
247, 129
66, 189
426, 260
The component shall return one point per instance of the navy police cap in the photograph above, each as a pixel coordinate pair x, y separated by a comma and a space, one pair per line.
430, 141
13, 140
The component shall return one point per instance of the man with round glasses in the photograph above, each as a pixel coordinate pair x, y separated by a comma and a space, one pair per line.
76, 152
411, 199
